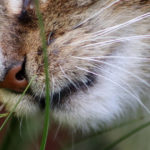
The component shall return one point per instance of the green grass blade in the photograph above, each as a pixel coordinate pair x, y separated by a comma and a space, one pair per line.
47, 83
3, 115
126, 136
12, 111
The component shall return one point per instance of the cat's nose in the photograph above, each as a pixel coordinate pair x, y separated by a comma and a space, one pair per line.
15, 79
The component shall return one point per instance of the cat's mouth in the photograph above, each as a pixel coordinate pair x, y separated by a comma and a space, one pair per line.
59, 98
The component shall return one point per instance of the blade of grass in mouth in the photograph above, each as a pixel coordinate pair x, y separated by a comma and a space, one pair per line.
47, 83
14, 108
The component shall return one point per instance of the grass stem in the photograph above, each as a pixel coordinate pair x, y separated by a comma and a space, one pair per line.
47, 83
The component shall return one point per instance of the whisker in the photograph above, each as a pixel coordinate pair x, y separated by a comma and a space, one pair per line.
53, 85
115, 83
85, 85
68, 78
108, 73
114, 40
116, 57
122, 25
146, 36
57, 131
41, 92
123, 39
96, 14
114, 66
35, 94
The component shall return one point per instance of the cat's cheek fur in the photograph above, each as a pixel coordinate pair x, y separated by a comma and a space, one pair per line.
114, 98
103, 105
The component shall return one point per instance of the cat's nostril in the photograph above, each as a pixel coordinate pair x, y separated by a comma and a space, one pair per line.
15, 79
20, 75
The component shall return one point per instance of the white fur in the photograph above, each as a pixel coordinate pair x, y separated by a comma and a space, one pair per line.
113, 99
14, 6
1, 65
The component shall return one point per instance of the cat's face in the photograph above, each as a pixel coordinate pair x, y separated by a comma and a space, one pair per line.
98, 54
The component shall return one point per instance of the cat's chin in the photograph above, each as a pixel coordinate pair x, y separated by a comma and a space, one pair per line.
21, 106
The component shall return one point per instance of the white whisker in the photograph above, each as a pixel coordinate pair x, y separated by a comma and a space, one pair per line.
146, 36
68, 78
98, 13
42, 92
53, 85
114, 40
122, 25
119, 68
108, 73
115, 83
122, 39
85, 85
36, 94
57, 131
114, 57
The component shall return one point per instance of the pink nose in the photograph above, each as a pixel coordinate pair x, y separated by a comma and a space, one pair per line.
15, 80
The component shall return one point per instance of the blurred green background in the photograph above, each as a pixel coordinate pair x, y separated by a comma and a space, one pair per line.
25, 134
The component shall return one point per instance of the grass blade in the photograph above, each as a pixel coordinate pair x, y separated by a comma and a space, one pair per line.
3, 115
47, 83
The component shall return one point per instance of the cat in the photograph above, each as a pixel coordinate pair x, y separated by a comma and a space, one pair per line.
98, 53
